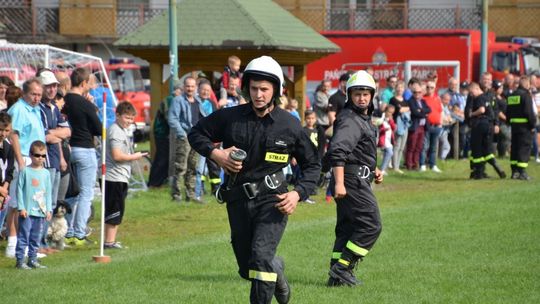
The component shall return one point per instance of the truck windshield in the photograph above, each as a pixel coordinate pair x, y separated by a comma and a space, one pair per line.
531, 58
505, 62
126, 80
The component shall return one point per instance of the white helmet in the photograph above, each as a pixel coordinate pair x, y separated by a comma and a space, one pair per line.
361, 80
265, 67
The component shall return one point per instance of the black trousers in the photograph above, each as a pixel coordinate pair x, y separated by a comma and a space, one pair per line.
159, 172
256, 230
481, 140
522, 139
358, 222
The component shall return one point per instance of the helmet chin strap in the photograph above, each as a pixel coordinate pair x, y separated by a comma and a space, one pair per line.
265, 107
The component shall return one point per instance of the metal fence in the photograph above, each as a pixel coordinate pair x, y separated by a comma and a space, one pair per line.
20, 20
400, 17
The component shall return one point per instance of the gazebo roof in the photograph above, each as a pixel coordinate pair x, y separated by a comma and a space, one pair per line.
240, 25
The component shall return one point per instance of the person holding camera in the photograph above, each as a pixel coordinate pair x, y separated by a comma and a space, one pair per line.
255, 189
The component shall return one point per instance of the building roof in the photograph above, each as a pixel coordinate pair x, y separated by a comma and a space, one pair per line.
230, 24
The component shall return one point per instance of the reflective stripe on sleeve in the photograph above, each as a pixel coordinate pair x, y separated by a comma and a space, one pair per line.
336, 255
519, 120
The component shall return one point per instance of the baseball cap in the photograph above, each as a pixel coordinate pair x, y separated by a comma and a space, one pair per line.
47, 78
464, 85
496, 84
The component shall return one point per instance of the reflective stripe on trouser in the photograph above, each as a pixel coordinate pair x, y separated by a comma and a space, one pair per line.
358, 224
256, 230
481, 141
520, 151
185, 166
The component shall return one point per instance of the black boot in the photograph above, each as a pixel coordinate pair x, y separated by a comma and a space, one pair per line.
344, 274
283, 290
331, 281
477, 172
497, 168
523, 175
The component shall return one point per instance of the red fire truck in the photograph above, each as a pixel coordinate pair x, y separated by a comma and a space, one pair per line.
386, 51
127, 84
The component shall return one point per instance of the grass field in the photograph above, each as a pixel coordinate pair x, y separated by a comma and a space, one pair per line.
445, 239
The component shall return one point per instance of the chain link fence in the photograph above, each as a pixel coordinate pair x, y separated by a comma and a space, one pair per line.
392, 17
130, 17
511, 20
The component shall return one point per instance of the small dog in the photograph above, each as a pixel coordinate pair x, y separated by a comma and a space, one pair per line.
58, 226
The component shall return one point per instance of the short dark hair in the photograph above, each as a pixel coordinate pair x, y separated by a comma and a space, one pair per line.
13, 94
125, 107
204, 81
390, 77
78, 76
413, 80
38, 144
5, 119
308, 112
6, 80
28, 83
234, 76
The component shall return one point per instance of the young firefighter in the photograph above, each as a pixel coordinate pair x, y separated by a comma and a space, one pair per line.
353, 156
119, 156
483, 120
258, 200
34, 205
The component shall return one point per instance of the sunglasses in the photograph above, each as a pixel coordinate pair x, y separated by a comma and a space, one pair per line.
417, 92
36, 155
430, 87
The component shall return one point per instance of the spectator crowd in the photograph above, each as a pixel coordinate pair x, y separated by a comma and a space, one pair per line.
52, 122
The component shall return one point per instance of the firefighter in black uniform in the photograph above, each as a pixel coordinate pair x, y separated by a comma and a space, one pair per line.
353, 157
520, 114
255, 190
483, 123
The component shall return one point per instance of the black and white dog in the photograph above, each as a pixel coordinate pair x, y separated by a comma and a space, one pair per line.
58, 226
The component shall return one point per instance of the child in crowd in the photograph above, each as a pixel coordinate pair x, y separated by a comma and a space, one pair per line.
317, 137
7, 160
232, 68
34, 205
119, 156
386, 136
292, 107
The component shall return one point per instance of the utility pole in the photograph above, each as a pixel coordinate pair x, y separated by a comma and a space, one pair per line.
173, 46
484, 42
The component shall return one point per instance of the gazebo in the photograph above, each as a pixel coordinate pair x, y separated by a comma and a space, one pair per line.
209, 31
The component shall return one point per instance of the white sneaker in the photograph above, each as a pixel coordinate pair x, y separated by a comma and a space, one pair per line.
399, 171
538, 160
436, 169
423, 168
10, 252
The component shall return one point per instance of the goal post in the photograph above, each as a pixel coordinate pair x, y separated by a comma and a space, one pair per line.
410, 65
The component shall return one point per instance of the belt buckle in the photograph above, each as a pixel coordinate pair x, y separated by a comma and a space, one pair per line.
249, 191
269, 182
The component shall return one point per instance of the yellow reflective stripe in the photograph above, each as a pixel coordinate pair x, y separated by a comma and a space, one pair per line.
490, 156
513, 162
344, 262
263, 276
203, 178
522, 165
215, 180
336, 255
519, 120
478, 160
276, 157
357, 249
513, 100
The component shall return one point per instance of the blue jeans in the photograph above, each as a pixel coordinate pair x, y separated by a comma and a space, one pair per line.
200, 173
387, 156
55, 183
85, 165
431, 140
28, 235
